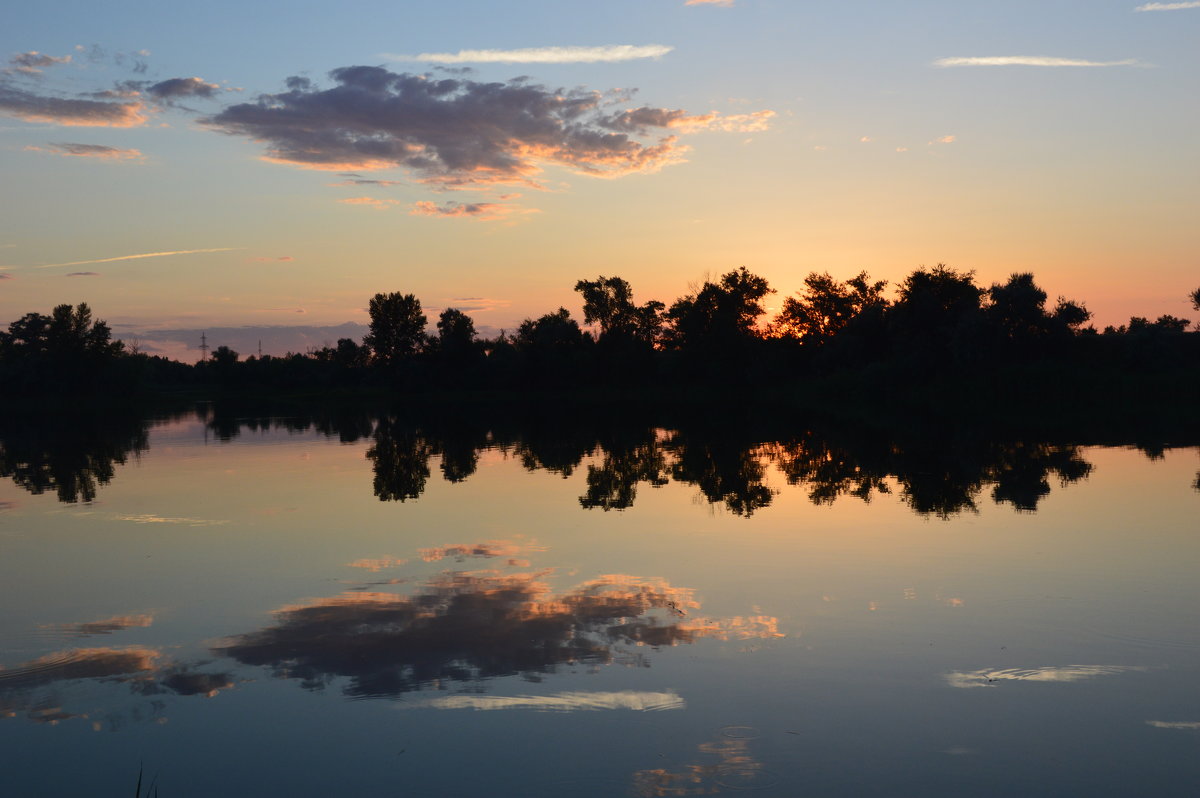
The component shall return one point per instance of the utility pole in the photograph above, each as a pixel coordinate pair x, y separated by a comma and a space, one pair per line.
203, 347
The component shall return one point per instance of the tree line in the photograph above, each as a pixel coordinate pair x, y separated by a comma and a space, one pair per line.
941, 323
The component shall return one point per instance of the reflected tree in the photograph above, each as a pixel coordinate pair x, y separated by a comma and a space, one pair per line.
399, 456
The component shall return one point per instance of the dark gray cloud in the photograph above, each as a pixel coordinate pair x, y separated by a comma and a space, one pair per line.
84, 274
175, 88
448, 131
71, 112
32, 62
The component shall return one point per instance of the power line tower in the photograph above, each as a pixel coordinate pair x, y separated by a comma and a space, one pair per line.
260, 349
203, 347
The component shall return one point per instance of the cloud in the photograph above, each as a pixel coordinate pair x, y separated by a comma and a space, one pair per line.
4, 276
32, 62
641, 120
1172, 724
377, 204
99, 151
1167, 6
451, 133
377, 564
487, 549
483, 211
469, 627
726, 3
79, 663
945, 140
151, 518
175, 88
104, 627
280, 259
69, 112
542, 55
83, 274
1030, 60
138, 257
361, 181
561, 702
1067, 673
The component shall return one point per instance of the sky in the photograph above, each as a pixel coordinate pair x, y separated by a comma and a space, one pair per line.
266, 164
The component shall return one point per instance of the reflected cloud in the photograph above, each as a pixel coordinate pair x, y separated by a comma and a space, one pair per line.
561, 702
377, 564
105, 627
728, 766
152, 518
80, 663
487, 549
1165, 724
471, 626
1066, 673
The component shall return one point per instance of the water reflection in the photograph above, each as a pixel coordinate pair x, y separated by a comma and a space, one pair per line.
733, 463
727, 764
69, 455
464, 626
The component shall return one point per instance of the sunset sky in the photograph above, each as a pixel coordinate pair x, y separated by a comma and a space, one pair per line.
275, 163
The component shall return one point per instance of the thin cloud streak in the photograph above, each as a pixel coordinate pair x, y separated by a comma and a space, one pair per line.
542, 55
1029, 60
1167, 6
561, 702
97, 151
138, 257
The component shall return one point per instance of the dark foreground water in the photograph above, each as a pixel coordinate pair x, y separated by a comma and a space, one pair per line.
389, 604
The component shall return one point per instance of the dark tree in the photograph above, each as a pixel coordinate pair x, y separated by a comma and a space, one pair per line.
827, 307
554, 332
1195, 297
720, 315
608, 302
455, 332
397, 330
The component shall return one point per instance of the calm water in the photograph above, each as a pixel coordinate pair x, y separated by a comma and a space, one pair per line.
355, 604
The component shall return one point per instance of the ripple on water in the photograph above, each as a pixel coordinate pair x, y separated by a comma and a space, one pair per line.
746, 777
740, 733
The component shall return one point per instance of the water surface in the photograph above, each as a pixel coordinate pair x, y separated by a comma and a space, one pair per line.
363, 603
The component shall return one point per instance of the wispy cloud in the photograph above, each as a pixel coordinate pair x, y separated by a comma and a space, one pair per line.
483, 211
281, 258
1175, 724
1030, 60
725, 3
542, 55
151, 518
98, 151
370, 202
84, 274
138, 257
32, 62
561, 702
1167, 6
1066, 673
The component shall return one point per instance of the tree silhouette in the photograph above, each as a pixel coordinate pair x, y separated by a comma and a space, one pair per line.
608, 302
397, 329
721, 315
827, 307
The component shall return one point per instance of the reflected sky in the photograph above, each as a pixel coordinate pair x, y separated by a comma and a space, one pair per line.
940, 472
605, 607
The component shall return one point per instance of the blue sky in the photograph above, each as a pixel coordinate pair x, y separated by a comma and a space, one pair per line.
804, 137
